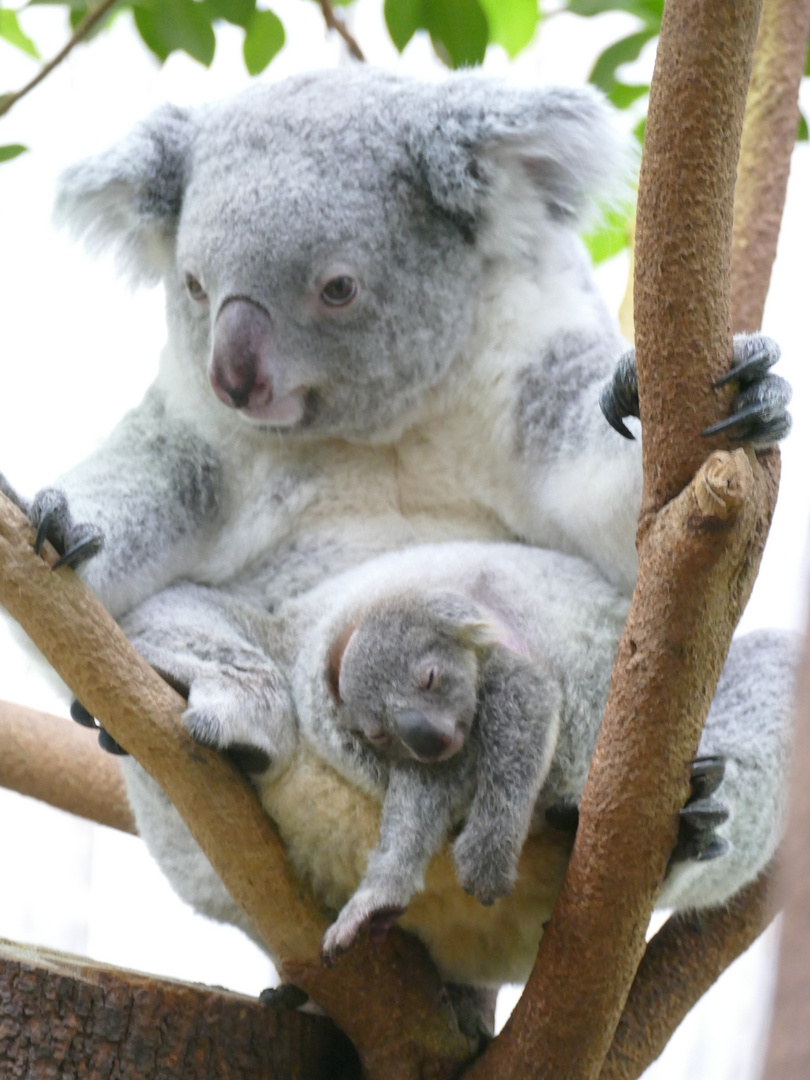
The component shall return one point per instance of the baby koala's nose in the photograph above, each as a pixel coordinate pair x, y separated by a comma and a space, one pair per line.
421, 737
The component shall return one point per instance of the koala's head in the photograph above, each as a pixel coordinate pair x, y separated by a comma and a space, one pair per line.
406, 675
324, 241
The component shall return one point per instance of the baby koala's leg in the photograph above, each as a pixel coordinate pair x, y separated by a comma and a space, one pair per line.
517, 725
417, 815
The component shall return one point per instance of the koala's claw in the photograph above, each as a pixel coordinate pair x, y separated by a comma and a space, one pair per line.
759, 412
286, 996
620, 397
248, 759
108, 743
362, 912
702, 814
81, 715
52, 519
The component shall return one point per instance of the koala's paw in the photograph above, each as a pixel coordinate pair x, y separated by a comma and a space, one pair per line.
485, 868
620, 397
698, 840
51, 517
372, 909
759, 412
247, 715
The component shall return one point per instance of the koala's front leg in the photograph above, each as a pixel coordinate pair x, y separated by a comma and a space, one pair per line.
416, 818
758, 414
238, 701
517, 725
131, 516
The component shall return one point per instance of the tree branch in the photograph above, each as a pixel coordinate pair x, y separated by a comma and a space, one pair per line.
91, 19
60, 763
685, 958
387, 998
697, 559
334, 23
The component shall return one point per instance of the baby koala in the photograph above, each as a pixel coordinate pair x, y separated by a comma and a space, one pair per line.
446, 692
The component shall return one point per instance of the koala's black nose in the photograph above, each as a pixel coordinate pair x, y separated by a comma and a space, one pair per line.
241, 360
421, 737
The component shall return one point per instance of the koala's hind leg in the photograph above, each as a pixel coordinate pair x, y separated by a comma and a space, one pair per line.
749, 728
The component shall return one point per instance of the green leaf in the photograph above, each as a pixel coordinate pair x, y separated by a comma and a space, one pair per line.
611, 237
512, 23
461, 27
236, 12
263, 39
176, 24
802, 133
621, 52
458, 28
650, 11
11, 32
639, 129
403, 18
12, 150
623, 94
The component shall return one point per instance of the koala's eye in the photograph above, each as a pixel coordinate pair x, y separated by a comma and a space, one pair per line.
430, 680
339, 292
195, 289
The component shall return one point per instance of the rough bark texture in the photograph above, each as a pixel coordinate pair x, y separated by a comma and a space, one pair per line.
685, 958
789, 1050
698, 556
771, 117
60, 763
62, 1018
393, 980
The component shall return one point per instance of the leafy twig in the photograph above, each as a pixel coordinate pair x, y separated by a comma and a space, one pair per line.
334, 23
79, 34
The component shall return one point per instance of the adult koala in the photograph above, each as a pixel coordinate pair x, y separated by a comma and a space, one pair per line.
382, 330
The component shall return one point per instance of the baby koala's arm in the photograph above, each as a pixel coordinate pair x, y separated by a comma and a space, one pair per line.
518, 719
417, 815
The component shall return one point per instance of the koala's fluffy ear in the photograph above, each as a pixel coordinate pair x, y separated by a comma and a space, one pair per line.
462, 619
128, 198
482, 139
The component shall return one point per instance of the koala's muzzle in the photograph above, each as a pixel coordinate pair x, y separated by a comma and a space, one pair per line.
245, 370
425, 739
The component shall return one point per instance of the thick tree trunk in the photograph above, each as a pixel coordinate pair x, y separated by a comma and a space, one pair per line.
64, 1018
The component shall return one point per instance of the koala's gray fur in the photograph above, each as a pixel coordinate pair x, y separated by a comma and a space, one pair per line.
382, 331
543, 628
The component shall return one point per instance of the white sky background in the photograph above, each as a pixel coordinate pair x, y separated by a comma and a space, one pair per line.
77, 349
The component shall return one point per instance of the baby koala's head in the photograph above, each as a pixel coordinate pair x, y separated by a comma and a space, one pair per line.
405, 675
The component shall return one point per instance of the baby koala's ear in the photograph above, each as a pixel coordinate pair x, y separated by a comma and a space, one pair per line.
335, 660
463, 619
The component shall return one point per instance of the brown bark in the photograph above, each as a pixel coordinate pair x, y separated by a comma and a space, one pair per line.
63, 1017
82, 642
789, 1050
771, 117
687, 956
697, 558
60, 763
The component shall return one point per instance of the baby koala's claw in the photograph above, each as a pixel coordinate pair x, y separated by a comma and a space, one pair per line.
360, 913
50, 515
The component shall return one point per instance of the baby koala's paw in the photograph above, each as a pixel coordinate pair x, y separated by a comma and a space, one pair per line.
372, 909
485, 867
